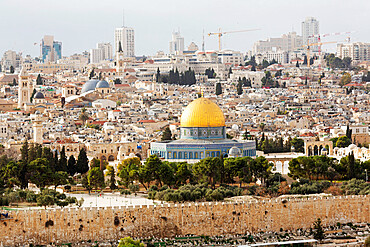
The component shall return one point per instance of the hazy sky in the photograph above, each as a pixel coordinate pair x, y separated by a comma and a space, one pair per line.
80, 24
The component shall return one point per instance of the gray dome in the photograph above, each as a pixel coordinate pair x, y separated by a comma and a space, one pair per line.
89, 86
39, 95
102, 84
235, 152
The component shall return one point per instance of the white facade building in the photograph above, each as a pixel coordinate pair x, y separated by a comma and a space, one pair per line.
232, 57
103, 51
310, 27
11, 58
287, 42
356, 51
107, 50
125, 36
176, 44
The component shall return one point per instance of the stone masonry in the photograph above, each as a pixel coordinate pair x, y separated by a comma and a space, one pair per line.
213, 219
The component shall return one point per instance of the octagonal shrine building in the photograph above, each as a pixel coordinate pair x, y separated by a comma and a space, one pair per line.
202, 135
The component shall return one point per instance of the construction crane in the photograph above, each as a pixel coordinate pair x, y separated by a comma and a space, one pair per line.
308, 48
319, 36
220, 34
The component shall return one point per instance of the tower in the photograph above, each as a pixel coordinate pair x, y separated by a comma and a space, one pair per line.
310, 27
25, 88
120, 59
37, 130
126, 37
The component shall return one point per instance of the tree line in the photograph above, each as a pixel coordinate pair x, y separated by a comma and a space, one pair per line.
175, 77
40, 166
323, 167
278, 145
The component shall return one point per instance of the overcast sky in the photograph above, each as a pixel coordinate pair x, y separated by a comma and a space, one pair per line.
80, 24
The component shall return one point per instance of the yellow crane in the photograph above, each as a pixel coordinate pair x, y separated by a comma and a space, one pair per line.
220, 34
308, 48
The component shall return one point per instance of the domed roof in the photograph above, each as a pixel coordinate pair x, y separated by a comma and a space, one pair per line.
102, 84
89, 86
39, 95
234, 151
202, 112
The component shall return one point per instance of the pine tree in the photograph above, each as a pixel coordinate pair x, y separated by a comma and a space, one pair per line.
297, 64
71, 166
91, 74
82, 162
253, 68
11, 69
218, 88
167, 134
319, 232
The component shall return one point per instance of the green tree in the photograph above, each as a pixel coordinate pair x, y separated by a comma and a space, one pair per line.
297, 64
298, 144
208, 170
151, 169
218, 88
39, 80
262, 169
112, 177
129, 242
84, 116
167, 134
60, 178
63, 162
183, 174
134, 188
82, 165
95, 178
33, 95
158, 75
345, 79
128, 171
239, 88
343, 142
71, 167
318, 233
11, 69
91, 75
40, 173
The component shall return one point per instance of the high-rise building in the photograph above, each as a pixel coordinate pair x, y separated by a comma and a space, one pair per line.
11, 58
51, 50
102, 52
177, 43
107, 50
356, 51
310, 27
125, 36
286, 43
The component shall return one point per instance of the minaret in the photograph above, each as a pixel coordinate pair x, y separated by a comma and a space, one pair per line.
25, 88
37, 130
119, 60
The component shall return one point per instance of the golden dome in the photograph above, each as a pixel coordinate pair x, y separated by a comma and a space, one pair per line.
202, 112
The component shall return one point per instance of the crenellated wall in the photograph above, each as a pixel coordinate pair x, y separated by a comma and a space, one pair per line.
75, 225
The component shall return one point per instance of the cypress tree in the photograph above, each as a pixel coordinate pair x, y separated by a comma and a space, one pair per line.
218, 88
239, 88
62, 164
71, 166
82, 162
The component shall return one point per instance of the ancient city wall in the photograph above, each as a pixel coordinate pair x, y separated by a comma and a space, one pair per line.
74, 225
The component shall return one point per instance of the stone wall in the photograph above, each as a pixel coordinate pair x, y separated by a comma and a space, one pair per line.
74, 225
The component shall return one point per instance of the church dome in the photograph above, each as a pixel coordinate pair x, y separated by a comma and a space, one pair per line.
102, 84
89, 86
202, 112
39, 95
